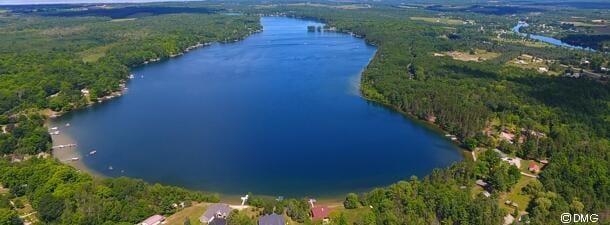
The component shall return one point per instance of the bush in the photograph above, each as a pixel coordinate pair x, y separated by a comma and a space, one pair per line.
351, 201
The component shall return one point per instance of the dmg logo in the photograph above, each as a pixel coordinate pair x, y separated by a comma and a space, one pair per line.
579, 218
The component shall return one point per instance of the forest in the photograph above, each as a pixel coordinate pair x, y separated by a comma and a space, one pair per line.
45, 62
479, 100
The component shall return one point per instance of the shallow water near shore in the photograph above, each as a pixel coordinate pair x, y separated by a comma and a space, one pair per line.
278, 113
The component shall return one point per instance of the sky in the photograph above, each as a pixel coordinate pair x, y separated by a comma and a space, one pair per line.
24, 2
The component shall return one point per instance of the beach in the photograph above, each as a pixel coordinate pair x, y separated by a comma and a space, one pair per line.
66, 154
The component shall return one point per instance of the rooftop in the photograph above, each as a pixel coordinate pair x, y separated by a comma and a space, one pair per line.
273, 219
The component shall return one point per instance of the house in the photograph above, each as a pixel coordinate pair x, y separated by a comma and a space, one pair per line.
216, 211
481, 183
272, 219
218, 221
534, 168
543, 70
85, 91
486, 194
153, 220
320, 213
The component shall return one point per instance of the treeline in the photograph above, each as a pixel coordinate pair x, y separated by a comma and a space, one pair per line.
62, 195
478, 100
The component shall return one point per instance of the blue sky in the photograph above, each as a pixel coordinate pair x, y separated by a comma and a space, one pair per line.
16, 2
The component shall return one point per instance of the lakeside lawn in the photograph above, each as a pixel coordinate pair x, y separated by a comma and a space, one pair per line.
353, 216
192, 213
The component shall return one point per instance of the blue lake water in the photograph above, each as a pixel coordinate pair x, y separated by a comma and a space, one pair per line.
278, 113
546, 39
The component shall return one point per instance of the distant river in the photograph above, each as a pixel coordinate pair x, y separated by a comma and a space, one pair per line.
278, 113
550, 40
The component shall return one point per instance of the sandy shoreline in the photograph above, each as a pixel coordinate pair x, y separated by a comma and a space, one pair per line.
64, 155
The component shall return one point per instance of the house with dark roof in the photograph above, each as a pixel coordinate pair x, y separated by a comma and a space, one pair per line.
272, 219
214, 212
320, 213
218, 221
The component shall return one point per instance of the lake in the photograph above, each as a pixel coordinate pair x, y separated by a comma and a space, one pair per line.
278, 113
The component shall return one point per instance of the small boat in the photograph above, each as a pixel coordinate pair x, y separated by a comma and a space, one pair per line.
74, 159
131, 76
67, 124
110, 168
142, 76
92, 152
54, 128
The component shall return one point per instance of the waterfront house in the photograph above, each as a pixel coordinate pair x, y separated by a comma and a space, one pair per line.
153, 220
214, 212
272, 219
320, 213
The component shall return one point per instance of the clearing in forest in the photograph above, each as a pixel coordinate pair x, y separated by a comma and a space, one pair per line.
447, 21
473, 56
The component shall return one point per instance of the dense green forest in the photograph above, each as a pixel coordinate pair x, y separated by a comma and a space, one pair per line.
478, 100
46, 61
62, 195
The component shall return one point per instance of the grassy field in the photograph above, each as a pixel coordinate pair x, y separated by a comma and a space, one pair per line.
192, 213
447, 21
92, 55
516, 196
529, 63
529, 43
353, 216
478, 56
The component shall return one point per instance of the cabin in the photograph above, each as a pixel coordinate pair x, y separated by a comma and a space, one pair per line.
320, 213
534, 168
272, 219
486, 194
543, 70
153, 220
481, 183
214, 212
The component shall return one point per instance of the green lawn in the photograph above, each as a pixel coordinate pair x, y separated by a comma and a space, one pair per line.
515, 195
193, 213
354, 216
93, 54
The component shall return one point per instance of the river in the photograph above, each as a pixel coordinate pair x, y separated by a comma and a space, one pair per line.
546, 39
278, 113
